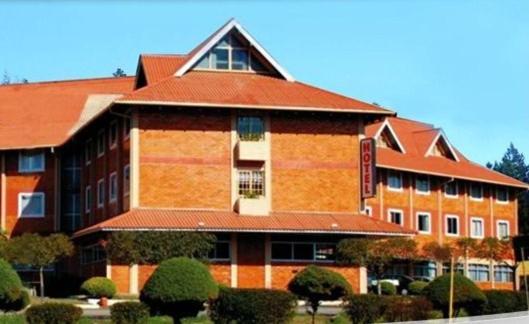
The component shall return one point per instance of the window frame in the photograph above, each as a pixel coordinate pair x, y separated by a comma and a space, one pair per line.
250, 190
418, 214
456, 217
100, 145
113, 182
498, 223
419, 192
214, 250
127, 126
390, 188
472, 235
112, 144
505, 271
88, 151
368, 208
447, 195
101, 195
39, 153
292, 259
88, 193
478, 271
470, 191
126, 184
395, 210
502, 202
30, 194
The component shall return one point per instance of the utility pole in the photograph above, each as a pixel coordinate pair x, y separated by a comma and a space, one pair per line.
451, 299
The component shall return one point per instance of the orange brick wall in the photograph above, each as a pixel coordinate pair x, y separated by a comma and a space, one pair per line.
185, 159
120, 275
314, 163
250, 261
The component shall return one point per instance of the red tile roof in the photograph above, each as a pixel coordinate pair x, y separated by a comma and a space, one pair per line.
225, 221
157, 67
416, 137
43, 114
241, 90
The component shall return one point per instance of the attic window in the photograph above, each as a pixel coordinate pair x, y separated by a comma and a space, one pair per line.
231, 53
443, 149
388, 139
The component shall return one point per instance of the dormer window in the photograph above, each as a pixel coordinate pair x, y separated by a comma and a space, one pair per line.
442, 148
387, 138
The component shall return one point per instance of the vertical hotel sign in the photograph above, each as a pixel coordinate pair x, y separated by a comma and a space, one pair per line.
368, 170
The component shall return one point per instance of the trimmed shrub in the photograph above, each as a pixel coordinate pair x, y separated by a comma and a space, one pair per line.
179, 287
53, 313
19, 303
388, 288
466, 294
97, 287
401, 309
416, 287
10, 287
315, 284
365, 308
129, 313
259, 306
503, 301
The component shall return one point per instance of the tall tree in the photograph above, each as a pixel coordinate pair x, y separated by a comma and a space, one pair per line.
494, 250
513, 164
119, 73
466, 246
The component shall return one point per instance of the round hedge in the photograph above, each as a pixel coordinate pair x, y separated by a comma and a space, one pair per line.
10, 286
416, 287
387, 288
466, 294
97, 287
179, 287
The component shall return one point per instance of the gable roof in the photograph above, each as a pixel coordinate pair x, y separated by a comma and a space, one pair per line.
44, 114
157, 67
386, 125
441, 138
418, 139
198, 52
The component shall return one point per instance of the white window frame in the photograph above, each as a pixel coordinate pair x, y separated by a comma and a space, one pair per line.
429, 231
88, 154
449, 195
502, 202
401, 182
30, 194
100, 194
366, 209
126, 186
100, 150
31, 170
394, 210
472, 235
88, 192
450, 216
470, 192
113, 144
501, 221
419, 192
113, 177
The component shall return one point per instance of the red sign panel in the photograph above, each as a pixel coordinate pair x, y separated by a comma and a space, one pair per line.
368, 177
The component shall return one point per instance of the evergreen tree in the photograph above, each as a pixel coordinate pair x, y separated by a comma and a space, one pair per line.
119, 73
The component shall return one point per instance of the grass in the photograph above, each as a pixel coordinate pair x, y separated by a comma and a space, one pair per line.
12, 319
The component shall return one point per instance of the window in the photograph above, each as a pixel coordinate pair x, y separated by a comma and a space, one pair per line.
101, 143
88, 152
394, 181
503, 230
503, 273
368, 210
303, 251
422, 184
251, 183
476, 191
93, 254
100, 193
458, 268
476, 227
113, 187
221, 251
451, 190
126, 128
31, 161
31, 204
126, 180
423, 223
502, 195
88, 199
250, 128
113, 134
395, 216
478, 272
425, 269
452, 225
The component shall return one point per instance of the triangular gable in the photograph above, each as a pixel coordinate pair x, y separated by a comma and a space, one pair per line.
440, 146
206, 46
386, 137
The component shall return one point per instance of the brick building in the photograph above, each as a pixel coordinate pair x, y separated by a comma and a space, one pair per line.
224, 140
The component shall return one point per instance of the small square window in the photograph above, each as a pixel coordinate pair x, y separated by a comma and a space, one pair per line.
221, 251
251, 183
502, 195
113, 135
250, 128
368, 210
423, 223
31, 204
239, 59
126, 180
503, 230
219, 59
476, 227
395, 217
450, 189
113, 187
394, 180
452, 225
101, 143
100, 193
31, 161
476, 191
422, 184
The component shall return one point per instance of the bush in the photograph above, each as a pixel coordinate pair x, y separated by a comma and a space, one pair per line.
129, 313
365, 308
53, 313
179, 287
98, 287
503, 301
416, 287
466, 294
315, 284
252, 306
388, 288
19, 303
10, 287
401, 309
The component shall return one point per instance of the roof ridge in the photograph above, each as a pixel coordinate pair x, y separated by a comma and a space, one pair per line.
67, 81
427, 130
414, 121
164, 54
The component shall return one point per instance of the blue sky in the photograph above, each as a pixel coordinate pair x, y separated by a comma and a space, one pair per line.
461, 65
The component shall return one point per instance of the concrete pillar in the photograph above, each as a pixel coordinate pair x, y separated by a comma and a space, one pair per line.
233, 260
133, 279
268, 262
363, 280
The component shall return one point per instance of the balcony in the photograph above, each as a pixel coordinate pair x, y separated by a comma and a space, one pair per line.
252, 150
252, 206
